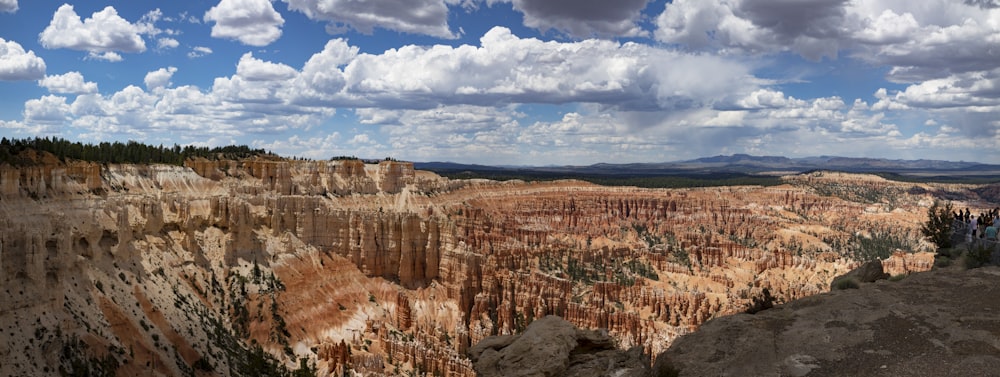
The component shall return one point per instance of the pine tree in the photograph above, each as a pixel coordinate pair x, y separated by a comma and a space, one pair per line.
938, 225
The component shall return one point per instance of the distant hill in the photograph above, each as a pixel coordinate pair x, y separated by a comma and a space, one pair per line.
737, 164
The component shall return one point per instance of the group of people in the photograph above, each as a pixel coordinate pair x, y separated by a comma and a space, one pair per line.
985, 225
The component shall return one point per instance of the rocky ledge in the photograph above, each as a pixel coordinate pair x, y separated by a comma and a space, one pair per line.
551, 346
944, 322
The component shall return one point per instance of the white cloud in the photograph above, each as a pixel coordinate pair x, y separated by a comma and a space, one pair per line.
68, 83
164, 43
811, 28
315, 147
199, 51
616, 101
427, 17
361, 139
258, 70
102, 35
159, 78
972, 91
16, 64
458, 133
9, 6
583, 18
256, 81
508, 69
920, 40
49, 109
109, 56
887, 28
252, 22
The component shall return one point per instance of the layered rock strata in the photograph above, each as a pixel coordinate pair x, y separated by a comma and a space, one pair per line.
380, 269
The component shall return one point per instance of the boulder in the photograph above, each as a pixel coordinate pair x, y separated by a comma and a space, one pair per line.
866, 273
551, 346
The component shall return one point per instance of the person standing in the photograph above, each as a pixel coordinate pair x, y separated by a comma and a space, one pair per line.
973, 226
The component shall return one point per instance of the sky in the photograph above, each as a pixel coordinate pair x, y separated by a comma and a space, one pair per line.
511, 82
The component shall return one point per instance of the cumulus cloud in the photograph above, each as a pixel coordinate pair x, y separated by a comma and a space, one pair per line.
583, 18
258, 70
102, 35
9, 6
252, 22
187, 113
159, 78
508, 69
457, 132
622, 101
812, 28
49, 109
427, 17
256, 81
919, 40
165, 43
68, 83
973, 91
321, 147
17, 64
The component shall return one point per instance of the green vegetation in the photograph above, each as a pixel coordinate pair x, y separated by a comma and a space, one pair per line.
879, 244
620, 269
942, 261
977, 254
117, 152
74, 360
846, 283
955, 178
858, 193
938, 225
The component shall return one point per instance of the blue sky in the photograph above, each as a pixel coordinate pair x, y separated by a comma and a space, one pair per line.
511, 82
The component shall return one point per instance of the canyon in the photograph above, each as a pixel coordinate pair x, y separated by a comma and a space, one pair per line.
222, 267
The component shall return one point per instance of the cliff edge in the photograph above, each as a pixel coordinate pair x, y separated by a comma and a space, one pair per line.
944, 322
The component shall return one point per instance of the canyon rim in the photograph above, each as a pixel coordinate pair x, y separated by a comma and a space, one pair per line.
224, 267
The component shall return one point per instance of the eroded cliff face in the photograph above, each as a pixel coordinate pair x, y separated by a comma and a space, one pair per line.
380, 269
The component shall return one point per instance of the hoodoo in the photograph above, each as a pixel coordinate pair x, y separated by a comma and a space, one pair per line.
218, 267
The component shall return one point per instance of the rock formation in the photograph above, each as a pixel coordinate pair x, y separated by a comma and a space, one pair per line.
938, 323
869, 272
380, 269
551, 346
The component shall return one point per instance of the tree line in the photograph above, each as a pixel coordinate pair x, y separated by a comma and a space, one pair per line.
131, 152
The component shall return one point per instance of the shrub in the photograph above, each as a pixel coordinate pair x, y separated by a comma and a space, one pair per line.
938, 225
942, 261
763, 302
897, 277
847, 283
977, 255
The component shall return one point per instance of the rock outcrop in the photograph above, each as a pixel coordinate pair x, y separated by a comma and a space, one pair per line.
939, 323
551, 346
869, 272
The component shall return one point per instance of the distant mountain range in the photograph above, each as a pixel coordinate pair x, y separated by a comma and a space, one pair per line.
734, 164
